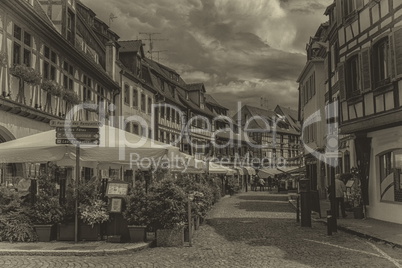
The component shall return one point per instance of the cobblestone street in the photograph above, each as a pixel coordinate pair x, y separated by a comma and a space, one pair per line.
254, 229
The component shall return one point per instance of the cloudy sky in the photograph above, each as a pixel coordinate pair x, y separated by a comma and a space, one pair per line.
242, 50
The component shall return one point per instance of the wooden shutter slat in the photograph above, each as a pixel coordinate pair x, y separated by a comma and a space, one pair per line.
397, 52
341, 81
365, 69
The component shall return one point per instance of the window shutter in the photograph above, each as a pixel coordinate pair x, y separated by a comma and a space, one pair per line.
339, 11
341, 81
365, 69
397, 52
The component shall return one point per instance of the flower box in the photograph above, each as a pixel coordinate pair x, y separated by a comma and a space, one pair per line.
89, 233
137, 233
44, 232
65, 232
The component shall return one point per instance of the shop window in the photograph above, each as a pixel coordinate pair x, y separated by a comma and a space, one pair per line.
381, 60
390, 170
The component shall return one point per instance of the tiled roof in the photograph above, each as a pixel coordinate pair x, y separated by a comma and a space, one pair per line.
195, 87
206, 111
209, 99
130, 45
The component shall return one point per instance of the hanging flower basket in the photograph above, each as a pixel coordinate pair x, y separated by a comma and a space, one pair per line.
26, 74
71, 97
52, 88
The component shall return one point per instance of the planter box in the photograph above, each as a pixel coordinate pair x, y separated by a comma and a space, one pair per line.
358, 212
44, 232
137, 233
114, 239
88, 233
149, 236
170, 237
65, 232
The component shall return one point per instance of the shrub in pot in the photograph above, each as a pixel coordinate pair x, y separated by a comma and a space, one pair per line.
136, 212
93, 214
168, 214
45, 213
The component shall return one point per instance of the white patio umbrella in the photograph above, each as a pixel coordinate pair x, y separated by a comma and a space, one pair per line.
116, 146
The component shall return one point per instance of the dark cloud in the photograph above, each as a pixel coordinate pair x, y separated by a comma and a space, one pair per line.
241, 50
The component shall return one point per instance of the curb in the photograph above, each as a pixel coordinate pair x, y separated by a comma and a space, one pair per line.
354, 232
100, 252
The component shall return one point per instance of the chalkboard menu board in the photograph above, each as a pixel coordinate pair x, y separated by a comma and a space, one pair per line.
116, 189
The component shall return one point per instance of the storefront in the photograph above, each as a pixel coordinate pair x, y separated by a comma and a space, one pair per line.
385, 182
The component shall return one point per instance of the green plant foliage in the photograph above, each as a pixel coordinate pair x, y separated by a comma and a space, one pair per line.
233, 185
71, 97
46, 210
167, 204
137, 211
10, 200
15, 226
94, 213
52, 87
27, 74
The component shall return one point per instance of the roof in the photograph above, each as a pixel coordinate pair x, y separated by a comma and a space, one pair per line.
210, 100
130, 45
230, 134
196, 87
194, 107
291, 117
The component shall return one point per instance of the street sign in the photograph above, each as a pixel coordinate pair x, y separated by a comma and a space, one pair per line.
78, 135
77, 129
69, 123
75, 141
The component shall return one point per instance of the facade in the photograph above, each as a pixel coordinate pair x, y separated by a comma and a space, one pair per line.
277, 134
50, 60
370, 87
312, 89
363, 60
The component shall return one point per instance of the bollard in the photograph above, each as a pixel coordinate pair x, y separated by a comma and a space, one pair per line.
298, 209
329, 222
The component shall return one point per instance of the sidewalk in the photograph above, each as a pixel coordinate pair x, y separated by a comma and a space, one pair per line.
57, 248
378, 230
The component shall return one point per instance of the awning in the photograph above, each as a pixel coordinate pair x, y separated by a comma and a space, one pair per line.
231, 172
292, 170
268, 172
239, 170
249, 171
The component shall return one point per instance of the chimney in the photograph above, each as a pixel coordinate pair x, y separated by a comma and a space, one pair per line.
111, 59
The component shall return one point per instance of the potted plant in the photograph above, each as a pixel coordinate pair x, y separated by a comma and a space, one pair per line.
45, 213
356, 195
168, 214
93, 214
136, 213
71, 97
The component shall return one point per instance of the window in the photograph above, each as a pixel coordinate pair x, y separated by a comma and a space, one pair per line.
22, 49
350, 6
70, 26
149, 105
168, 113
68, 76
143, 104
390, 167
136, 129
126, 94
87, 88
49, 64
352, 76
135, 98
381, 62
162, 111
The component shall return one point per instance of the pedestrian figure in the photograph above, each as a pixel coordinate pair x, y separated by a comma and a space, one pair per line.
254, 184
262, 184
340, 189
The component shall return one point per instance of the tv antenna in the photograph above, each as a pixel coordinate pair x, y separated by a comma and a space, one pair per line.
151, 42
157, 53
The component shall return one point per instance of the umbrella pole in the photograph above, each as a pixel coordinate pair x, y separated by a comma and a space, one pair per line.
77, 175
